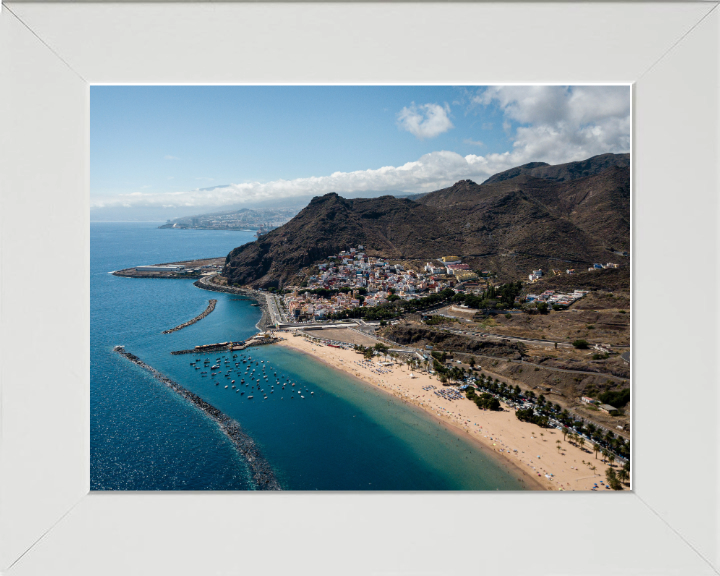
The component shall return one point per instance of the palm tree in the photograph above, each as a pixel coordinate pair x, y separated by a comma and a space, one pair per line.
596, 447
565, 432
582, 441
611, 458
604, 454
622, 475
558, 445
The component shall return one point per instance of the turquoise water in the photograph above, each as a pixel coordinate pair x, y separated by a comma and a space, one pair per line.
345, 436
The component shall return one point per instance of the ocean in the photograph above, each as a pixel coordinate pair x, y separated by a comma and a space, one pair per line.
345, 436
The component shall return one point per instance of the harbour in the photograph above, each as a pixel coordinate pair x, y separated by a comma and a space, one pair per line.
261, 471
343, 435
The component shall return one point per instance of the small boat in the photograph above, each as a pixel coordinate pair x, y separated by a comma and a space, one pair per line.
225, 386
312, 392
250, 397
303, 397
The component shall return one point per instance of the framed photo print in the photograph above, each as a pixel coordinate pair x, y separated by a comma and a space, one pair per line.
328, 288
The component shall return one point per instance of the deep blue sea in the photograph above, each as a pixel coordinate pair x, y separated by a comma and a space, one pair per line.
345, 436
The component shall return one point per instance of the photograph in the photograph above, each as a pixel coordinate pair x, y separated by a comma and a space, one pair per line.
360, 287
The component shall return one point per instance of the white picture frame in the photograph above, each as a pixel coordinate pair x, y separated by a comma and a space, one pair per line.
50, 53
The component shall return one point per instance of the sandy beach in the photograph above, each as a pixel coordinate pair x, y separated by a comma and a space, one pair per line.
533, 452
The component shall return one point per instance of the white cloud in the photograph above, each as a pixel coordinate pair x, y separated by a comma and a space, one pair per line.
169, 157
430, 172
554, 125
425, 120
561, 124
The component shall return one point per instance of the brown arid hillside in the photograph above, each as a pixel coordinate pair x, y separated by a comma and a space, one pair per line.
565, 172
612, 279
509, 226
420, 335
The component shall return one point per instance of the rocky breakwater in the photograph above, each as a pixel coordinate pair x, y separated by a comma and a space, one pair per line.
210, 308
264, 323
262, 474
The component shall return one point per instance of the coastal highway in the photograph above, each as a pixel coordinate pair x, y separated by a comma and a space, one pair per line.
273, 308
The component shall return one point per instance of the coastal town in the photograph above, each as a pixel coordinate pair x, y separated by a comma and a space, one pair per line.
352, 279
534, 371
423, 352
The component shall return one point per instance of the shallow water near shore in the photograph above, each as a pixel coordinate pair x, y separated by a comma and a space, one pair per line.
344, 436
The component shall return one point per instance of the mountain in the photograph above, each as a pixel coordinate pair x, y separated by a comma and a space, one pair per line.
387, 225
564, 172
511, 225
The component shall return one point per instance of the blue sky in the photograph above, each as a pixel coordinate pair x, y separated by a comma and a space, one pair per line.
158, 147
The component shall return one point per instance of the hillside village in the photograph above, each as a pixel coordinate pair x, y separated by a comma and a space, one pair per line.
352, 279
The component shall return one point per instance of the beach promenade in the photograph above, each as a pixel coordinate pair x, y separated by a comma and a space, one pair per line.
533, 452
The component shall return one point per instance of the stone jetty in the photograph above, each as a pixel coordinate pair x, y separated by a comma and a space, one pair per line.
262, 474
260, 339
210, 308
264, 323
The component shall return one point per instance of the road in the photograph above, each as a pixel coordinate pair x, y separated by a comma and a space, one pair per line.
274, 307
516, 338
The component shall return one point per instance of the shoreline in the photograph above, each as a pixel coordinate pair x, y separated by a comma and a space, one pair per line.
263, 324
529, 452
530, 482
